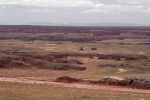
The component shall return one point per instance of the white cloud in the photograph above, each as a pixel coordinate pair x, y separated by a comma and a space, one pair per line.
51, 3
119, 6
134, 2
122, 6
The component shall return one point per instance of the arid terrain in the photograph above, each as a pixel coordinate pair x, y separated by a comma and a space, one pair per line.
74, 63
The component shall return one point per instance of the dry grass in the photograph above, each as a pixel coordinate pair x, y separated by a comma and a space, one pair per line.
18, 91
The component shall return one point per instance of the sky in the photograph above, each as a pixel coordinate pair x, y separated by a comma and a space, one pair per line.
74, 11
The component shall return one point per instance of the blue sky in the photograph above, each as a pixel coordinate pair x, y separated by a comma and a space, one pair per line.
74, 11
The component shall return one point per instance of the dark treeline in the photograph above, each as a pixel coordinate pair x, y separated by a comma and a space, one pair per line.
70, 29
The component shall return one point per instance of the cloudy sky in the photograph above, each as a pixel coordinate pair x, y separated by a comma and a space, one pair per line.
74, 11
